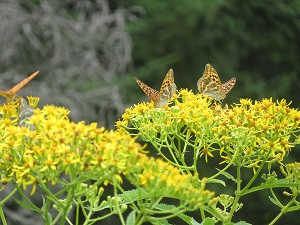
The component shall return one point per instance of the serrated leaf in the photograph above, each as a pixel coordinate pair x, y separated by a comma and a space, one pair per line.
126, 198
164, 207
188, 219
208, 221
131, 218
159, 221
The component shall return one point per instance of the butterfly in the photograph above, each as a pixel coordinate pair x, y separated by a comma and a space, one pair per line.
25, 112
167, 90
210, 84
9, 95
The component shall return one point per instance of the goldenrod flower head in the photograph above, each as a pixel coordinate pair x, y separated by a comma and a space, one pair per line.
265, 127
56, 146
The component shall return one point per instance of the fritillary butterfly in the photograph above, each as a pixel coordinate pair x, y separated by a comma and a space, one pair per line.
9, 95
167, 90
25, 112
210, 84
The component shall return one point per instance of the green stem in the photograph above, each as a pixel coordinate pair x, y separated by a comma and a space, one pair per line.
283, 211
255, 175
168, 160
117, 204
226, 167
27, 200
238, 195
2, 216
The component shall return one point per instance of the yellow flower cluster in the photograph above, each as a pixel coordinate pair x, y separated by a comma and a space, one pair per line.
57, 146
157, 177
245, 134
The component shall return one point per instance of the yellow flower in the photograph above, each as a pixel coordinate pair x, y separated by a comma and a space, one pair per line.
265, 127
206, 153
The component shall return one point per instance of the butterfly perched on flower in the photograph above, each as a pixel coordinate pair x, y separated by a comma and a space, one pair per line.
210, 84
25, 112
167, 90
9, 95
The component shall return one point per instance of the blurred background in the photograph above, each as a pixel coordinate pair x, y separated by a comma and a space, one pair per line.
89, 51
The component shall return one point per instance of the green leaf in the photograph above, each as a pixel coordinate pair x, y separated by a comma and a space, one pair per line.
47, 216
228, 176
293, 208
25, 205
163, 222
188, 219
124, 199
208, 221
275, 202
44, 203
165, 207
194, 222
217, 181
131, 218
273, 182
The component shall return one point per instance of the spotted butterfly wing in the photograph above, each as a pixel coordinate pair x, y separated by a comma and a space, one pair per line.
9, 95
226, 87
25, 112
210, 84
150, 92
167, 90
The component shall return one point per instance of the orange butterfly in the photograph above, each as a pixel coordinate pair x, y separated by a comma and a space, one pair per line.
9, 95
167, 90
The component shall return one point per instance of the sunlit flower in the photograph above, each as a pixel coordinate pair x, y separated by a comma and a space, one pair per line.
264, 127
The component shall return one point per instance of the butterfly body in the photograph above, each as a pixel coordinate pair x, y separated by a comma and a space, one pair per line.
210, 84
9, 95
167, 90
